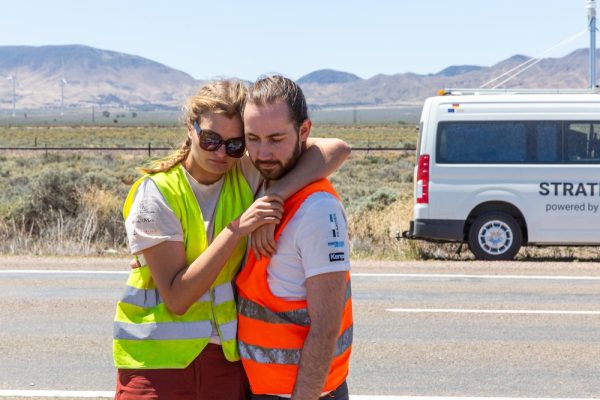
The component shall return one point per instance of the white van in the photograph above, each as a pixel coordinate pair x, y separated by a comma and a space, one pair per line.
503, 169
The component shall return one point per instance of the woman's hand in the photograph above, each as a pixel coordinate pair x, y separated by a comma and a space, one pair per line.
265, 210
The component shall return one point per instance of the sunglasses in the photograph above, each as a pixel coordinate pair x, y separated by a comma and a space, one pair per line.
211, 141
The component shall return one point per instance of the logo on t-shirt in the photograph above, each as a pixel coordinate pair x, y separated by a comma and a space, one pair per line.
335, 230
336, 244
143, 214
336, 257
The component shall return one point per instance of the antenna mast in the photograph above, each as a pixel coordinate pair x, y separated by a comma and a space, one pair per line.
590, 5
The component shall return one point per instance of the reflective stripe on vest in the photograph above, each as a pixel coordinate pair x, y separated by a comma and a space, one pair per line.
267, 355
172, 330
146, 333
162, 330
272, 330
250, 309
150, 297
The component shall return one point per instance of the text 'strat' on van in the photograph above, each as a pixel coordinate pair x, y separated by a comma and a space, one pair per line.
502, 169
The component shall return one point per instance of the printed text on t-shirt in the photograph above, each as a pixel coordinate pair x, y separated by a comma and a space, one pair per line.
335, 230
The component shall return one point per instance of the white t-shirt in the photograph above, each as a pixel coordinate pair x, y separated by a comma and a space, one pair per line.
151, 221
315, 241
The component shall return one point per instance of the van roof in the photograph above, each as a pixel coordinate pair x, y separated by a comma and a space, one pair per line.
485, 91
518, 98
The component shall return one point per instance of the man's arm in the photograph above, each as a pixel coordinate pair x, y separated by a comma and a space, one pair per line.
325, 295
180, 285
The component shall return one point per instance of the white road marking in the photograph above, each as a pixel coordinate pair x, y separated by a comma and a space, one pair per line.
368, 397
465, 276
354, 274
110, 395
57, 393
59, 271
483, 311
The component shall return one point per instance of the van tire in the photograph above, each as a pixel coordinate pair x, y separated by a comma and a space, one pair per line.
495, 236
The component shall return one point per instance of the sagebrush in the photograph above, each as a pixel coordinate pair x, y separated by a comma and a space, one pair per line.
64, 203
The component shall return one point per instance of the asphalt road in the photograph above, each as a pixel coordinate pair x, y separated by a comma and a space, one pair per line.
421, 328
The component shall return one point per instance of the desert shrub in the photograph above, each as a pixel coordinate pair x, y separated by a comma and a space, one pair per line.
101, 209
49, 158
55, 190
62, 204
407, 177
373, 231
45, 196
380, 199
98, 179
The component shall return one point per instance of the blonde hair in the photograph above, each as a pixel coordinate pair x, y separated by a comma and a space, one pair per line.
225, 97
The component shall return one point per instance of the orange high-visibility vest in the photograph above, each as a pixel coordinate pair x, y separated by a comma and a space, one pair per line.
272, 331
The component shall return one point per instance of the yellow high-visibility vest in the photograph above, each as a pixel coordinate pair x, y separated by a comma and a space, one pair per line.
146, 334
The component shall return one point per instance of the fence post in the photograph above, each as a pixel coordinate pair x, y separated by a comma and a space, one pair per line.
149, 149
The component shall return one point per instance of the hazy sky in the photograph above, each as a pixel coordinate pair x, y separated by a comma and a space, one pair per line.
248, 38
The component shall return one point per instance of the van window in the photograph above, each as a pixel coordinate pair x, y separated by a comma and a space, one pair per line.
499, 142
482, 142
546, 142
582, 142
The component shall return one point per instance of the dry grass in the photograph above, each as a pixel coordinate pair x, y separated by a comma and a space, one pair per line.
70, 204
89, 232
376, 232
386, 135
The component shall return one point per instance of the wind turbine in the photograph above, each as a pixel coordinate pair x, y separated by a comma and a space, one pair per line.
13, 78
62, 84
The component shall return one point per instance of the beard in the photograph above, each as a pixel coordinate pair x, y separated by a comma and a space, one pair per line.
274, 169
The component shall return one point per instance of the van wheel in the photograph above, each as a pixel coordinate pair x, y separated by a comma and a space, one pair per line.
495, 236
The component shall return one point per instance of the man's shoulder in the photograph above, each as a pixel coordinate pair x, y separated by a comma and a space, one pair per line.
321, 236
319, 203
319, 211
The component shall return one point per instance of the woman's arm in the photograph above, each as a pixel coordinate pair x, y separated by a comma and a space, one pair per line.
320, 159
181, 285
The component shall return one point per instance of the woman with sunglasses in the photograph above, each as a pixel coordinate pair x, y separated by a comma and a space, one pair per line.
187, 220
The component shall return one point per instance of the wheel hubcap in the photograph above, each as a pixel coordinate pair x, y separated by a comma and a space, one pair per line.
495, 237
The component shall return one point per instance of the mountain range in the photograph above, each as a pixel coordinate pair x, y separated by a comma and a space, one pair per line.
109, 78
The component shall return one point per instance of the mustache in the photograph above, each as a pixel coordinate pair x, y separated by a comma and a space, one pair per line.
265, 162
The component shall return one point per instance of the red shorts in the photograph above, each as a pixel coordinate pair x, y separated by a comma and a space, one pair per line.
210, 376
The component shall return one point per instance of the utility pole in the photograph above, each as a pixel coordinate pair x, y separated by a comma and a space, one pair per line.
590, 5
